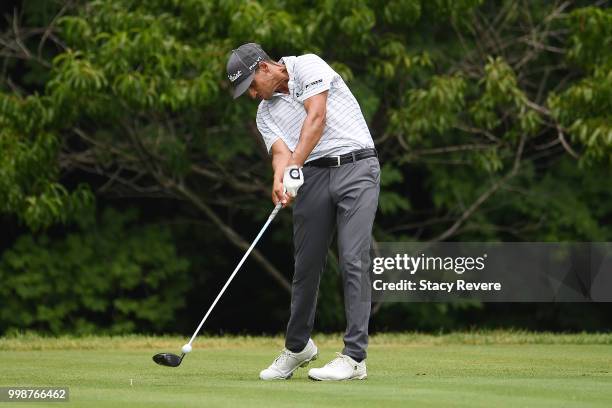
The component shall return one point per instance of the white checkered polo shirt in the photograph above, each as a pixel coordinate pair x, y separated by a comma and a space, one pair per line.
283, 115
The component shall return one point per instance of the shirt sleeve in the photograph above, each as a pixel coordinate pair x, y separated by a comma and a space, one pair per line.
312, 76
269, 131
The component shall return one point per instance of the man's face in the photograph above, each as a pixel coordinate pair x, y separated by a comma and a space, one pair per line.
263, 84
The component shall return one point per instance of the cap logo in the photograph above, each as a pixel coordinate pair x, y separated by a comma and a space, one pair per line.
234, 77
255, 63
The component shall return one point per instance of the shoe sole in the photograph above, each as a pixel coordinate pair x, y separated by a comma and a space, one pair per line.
304, 364
361, 377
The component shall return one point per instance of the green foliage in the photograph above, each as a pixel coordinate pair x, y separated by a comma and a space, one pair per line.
478, 106
129, 62
401, 13
453, 8
389, 201
431, 110
112, 276
584, 108
567, 212
502, 93
28, 186
591, 39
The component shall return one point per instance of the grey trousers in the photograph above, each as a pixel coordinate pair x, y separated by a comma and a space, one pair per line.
345, 197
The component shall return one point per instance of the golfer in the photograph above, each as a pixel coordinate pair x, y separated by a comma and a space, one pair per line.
320, 144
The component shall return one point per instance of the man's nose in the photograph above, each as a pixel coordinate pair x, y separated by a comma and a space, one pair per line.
252, 93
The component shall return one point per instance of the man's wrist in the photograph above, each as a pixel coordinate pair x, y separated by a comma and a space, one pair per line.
294, 161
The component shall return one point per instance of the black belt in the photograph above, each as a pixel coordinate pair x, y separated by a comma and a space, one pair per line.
337, 161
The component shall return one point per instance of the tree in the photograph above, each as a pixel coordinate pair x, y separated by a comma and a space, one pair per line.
492, 119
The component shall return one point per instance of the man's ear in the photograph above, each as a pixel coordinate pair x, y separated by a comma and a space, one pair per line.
263, 65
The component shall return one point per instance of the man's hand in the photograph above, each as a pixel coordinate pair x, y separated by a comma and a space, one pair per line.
293, 179
278, 194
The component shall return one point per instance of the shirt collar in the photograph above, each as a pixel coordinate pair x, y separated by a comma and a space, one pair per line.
289, 63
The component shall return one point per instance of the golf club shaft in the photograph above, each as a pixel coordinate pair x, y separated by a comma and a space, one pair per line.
270, 218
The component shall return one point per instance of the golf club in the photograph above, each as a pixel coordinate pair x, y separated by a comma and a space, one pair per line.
172, 360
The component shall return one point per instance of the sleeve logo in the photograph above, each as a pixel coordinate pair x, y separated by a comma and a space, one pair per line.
317, 82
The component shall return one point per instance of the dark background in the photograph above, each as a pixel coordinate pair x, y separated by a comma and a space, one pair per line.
255, 303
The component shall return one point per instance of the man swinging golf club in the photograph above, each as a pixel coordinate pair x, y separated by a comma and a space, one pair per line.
320, 144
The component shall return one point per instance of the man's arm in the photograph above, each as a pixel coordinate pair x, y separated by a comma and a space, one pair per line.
312, 128
280, 159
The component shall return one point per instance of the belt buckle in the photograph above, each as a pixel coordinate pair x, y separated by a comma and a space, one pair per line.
337, 157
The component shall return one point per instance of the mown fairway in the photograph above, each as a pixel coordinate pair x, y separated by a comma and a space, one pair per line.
465, 369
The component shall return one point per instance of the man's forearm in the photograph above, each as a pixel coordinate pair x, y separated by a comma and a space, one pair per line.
279, 162
311, 133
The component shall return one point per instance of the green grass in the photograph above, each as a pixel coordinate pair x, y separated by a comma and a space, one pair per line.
482, 369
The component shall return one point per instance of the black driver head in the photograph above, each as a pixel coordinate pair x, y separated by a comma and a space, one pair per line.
168, 359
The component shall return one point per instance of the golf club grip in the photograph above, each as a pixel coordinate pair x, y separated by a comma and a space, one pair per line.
275, 211
263, 229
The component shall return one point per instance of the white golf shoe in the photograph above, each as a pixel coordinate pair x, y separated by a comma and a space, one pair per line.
340, 368
287, 362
